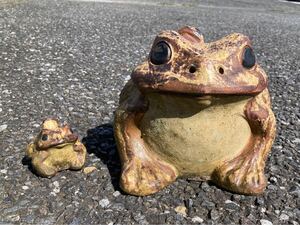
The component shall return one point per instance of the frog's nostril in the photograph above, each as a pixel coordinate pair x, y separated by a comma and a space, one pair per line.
192, 69
221, 70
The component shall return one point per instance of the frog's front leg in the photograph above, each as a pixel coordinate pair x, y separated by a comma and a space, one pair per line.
143, 172
245, 173
79, 156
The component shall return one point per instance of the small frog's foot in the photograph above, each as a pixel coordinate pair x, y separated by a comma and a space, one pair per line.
146, 176
242, 175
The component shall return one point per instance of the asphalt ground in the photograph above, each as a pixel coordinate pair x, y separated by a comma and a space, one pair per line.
70, 59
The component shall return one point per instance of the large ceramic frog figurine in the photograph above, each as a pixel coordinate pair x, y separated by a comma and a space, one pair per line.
195, 109
55, 148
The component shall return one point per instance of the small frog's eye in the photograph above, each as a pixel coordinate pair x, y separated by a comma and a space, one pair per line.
248, 58
44, 137
161, 53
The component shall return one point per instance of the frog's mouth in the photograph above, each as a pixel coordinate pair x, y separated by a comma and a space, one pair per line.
63, 145
199, 90
203, 100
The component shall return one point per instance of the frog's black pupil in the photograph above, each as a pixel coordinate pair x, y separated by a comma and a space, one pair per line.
44, 137
248, 58
161, 53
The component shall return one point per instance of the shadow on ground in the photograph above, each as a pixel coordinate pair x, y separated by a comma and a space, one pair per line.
26, 161
100, 141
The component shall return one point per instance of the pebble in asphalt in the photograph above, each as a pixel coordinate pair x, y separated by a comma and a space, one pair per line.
70, 59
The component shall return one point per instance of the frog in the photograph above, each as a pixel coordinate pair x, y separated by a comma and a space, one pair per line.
198, 110
55, 148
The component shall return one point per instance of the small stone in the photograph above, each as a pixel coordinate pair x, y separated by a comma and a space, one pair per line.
158, 218
104, 202
13, 218
259, 201
296, 140
179, 217
56, 184
295, 190
189, 203
181, 210
3, 127
230, 205
272, 187
284, 217
89, 169
3, 171
273, 180
214, 214
116, 193
265, 222
139, 218
205, 187
43, 211
25, 187
118, 206
208, 204
197, 219
56, 190
277, 211
251, 217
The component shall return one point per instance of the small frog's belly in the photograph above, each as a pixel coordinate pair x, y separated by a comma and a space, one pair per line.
197, 143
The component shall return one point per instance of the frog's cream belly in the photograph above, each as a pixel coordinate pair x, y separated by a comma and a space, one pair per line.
193, 137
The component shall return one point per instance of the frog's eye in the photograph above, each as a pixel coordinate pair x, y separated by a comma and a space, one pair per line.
161, 53
44, 137
248, 58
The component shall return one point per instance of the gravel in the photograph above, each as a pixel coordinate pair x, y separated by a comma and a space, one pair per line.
70, 59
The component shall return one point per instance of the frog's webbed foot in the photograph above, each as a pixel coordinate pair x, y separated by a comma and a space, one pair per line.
245, 173
143, 172
144, 175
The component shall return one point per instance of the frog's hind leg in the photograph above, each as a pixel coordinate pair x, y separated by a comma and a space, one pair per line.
143, 172
245, 173
42, 166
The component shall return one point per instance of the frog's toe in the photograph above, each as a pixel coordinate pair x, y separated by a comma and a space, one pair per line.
142, 177
241, 176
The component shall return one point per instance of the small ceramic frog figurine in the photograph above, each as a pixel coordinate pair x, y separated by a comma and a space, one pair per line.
195, 109
55, 148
